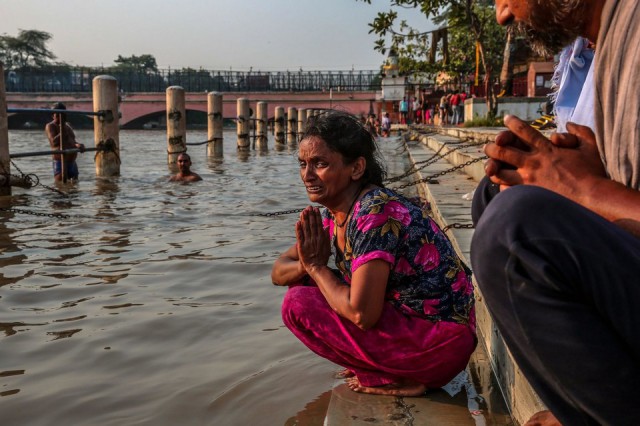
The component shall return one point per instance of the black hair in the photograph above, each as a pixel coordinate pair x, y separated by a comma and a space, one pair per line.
60, 105
345, 134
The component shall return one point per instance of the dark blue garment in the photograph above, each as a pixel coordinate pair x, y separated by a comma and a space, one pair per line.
70, 166
563, 286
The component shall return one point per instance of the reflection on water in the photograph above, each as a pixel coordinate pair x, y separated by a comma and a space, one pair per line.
132, 300
140, 301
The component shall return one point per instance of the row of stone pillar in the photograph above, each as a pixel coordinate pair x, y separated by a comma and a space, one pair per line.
285, 131
106, 126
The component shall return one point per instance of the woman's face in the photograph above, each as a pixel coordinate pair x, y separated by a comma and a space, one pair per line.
324, 173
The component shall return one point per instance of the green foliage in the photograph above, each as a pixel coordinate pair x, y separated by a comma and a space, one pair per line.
196, 80
467, 21
489, 121
144, 63
28, 49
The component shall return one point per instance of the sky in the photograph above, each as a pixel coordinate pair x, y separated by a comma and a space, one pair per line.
265, 35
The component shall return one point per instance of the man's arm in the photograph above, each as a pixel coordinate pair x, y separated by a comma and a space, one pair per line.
72, 138
51, 131
575, 172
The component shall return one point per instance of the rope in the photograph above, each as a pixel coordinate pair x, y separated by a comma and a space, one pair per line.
202, 143
105, 146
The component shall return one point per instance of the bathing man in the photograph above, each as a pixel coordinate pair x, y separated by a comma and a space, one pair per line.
185, 174
52, 129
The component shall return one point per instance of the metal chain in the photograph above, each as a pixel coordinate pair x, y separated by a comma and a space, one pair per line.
458, 225
435, 157
36, 182
56, 215
429, 179
280, 213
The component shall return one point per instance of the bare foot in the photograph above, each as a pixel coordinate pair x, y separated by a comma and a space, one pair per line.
543, 418
344, 374
406, 388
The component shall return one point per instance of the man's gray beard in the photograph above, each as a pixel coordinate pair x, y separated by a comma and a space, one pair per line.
553, 24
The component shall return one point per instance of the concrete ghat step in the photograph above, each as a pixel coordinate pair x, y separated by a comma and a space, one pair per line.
446, 203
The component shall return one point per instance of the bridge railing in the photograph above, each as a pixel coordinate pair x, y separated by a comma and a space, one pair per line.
68, 79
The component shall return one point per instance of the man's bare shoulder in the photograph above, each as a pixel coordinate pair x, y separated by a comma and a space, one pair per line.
193, 177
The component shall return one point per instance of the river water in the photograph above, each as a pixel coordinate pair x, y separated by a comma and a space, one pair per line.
147, 302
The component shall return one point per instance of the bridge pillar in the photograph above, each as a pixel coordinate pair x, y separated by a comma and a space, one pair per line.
302, 121
5, 160
214, 124
261, 128
106, 129
292, 119
278, 125
176, 124
243, 121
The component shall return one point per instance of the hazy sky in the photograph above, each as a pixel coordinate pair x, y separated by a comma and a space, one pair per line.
212, 34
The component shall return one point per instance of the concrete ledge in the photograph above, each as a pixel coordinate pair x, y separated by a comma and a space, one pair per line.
520, 398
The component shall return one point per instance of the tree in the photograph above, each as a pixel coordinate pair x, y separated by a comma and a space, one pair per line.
137, 73
29, 48
470, 26
145, 63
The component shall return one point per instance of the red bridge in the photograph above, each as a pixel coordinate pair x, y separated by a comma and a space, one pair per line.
144, 110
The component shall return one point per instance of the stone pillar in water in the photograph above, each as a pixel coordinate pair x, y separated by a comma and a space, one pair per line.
106, 130
214, 124
5, 161
278, 125
176, 123
292, 119
261, 128
243, 120
302, 121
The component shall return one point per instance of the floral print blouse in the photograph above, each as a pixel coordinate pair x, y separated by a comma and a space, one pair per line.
427, 278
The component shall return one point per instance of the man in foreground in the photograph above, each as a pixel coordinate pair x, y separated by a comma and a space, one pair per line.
557, 246
58, 129
185, 174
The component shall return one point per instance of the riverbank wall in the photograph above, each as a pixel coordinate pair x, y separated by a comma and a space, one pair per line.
521, 400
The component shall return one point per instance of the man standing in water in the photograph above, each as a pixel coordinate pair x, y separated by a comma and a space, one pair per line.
185, 174
556, 250
53, 130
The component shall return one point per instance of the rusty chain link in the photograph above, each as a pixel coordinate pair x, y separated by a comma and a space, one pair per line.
32, 213
430, 178
280, 213
458, 225
425, 163
35, 182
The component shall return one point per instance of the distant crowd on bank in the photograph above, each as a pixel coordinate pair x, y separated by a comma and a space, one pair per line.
445, 110
449, 109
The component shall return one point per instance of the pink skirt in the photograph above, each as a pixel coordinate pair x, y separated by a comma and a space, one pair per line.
398, 347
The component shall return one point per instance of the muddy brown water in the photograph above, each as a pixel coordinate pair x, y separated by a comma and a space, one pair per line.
151, 304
